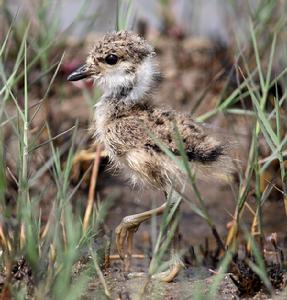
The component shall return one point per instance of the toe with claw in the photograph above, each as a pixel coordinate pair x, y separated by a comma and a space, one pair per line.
167, 276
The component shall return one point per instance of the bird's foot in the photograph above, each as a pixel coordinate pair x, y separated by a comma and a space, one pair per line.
165, 276
168, 275
125, 234
176, 265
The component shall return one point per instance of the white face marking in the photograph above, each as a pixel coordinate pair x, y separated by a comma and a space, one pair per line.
117, 78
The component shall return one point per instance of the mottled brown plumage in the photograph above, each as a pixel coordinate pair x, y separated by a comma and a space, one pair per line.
134, 131
129, 136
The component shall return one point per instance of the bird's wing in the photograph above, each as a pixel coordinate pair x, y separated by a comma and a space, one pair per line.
149, 128
166, 127
146, 130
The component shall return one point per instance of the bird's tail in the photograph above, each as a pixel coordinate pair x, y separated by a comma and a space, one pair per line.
215, 160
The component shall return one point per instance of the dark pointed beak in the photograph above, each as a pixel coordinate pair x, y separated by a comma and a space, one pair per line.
81, 73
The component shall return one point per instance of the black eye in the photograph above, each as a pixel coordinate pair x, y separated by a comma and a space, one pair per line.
111, 59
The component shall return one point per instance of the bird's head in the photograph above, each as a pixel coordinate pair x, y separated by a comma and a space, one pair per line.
120, 60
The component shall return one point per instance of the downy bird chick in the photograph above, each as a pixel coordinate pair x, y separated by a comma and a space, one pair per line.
138, 135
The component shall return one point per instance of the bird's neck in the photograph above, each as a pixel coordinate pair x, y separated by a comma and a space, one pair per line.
130, 89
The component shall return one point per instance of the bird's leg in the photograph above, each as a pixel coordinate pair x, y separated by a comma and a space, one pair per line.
125, 232
175, 262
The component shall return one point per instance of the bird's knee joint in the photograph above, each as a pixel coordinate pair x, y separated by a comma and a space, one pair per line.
126, 220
